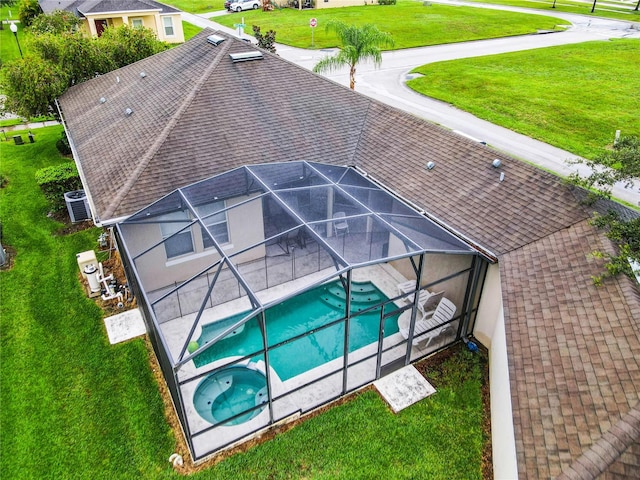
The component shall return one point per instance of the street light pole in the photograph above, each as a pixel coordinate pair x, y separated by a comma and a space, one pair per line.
14, 28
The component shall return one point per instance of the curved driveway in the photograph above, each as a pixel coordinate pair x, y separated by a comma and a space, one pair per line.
387, 84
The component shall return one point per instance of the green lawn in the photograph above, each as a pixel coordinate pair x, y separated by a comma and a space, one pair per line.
410, 22
74, 406
606, 9
190, 30
574, 97
197, 6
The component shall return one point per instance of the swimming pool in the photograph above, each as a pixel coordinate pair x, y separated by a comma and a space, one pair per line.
306, 312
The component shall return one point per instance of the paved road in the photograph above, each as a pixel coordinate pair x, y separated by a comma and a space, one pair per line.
387, 83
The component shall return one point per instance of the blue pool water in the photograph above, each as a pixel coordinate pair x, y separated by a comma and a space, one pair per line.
230, 392
301, 314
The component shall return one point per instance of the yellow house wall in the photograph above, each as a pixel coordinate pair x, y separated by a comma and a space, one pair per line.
178, 32
150, 21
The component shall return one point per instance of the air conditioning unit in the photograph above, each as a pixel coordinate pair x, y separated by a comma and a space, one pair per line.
77, 206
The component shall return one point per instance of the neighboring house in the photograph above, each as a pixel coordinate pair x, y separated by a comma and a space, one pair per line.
96, 15
564, 354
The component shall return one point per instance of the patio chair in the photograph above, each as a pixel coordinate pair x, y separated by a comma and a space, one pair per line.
429, 301
406, 287
340, 225
434, 324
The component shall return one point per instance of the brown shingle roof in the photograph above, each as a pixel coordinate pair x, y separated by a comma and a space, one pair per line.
197, 114
573, 348
83, 7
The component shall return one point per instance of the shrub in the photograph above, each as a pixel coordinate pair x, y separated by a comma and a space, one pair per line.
28, 10
55, 181
63, 144
386, 2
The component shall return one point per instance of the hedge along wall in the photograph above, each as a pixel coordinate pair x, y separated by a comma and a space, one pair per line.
56, 180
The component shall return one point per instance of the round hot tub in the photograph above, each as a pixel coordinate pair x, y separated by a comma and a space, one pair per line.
231, 392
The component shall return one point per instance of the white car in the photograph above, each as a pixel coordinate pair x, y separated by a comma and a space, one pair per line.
240, 5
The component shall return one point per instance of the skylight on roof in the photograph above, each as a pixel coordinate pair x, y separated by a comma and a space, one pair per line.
215, 39
246, 56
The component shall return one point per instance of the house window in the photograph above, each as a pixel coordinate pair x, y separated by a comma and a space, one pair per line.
181, 243
168, 26
216, 223
137, 23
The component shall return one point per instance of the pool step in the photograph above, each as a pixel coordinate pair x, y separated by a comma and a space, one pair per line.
362, 296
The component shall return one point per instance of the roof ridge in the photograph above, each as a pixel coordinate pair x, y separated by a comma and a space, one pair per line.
354, 153
578, 221
607, 449
161, 139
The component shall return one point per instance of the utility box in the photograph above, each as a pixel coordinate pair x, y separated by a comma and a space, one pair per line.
86, 258
77, 206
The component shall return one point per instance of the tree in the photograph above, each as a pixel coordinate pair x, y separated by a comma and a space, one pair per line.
621, 164
124, 45
28, 10
31, 85
265, 41
358, 44
60, 21
58, 61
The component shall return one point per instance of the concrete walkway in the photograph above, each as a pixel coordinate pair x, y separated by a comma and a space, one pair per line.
387, 84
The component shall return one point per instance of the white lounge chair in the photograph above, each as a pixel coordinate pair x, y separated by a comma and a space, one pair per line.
427, 301
406, 287
434, 324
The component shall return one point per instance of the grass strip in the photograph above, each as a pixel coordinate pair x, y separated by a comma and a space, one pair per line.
573, 97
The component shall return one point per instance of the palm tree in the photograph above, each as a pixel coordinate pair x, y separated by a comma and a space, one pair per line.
358, 43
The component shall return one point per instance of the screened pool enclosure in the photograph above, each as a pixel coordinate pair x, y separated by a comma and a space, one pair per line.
273, 289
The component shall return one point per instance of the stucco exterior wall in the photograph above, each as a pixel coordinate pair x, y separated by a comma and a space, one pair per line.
245, 226
152, 21
438, 266
490, 331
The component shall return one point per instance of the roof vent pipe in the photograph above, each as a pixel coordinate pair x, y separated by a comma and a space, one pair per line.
143, 74
102, 99
128, 112
431, 165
